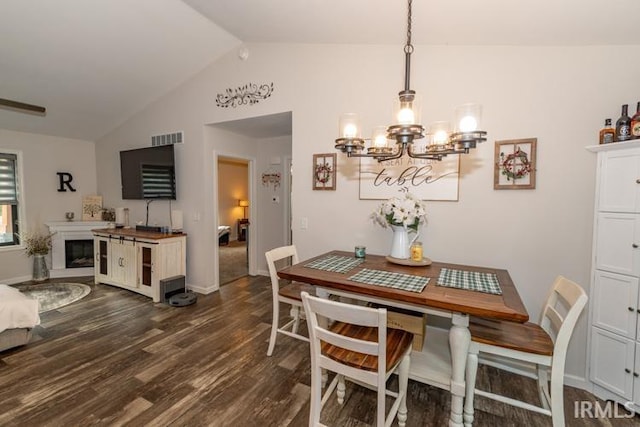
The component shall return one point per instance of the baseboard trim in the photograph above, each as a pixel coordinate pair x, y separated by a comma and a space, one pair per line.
15, 280
205, 290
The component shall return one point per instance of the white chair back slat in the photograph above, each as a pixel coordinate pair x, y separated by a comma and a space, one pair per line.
275, 255
367, 377
356, 315
353, 344
554, 322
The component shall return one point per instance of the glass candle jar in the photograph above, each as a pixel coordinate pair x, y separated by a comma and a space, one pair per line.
416, 251
360, 251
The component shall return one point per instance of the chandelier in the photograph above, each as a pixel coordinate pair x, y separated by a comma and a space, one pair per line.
440, 141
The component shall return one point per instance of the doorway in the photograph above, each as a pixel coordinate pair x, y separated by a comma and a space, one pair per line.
233, 218
265, 144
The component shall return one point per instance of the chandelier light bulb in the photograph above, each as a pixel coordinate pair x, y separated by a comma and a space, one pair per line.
349, 126
379, 138
350, 131
441, 137
468, 124
406, 116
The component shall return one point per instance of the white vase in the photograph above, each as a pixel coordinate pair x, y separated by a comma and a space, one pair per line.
40, 270
401, 243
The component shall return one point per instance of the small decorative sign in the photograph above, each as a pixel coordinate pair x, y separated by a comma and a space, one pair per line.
426, 179
515, 164
251, 93
324, 171
92, 208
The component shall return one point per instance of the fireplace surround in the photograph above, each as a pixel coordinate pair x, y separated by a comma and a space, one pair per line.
72, 247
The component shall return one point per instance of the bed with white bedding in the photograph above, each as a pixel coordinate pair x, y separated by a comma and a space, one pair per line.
18, 316
223, 234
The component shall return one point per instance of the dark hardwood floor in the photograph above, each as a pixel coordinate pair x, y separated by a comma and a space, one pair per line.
116, 358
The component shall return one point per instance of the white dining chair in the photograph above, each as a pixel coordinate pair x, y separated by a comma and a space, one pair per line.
544, 346
288, 294
359, 347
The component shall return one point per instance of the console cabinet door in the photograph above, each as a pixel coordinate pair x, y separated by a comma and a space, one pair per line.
102, 268
123, 262
619, 181
636, 377
612, 362
146, 264
618, 243
615, 303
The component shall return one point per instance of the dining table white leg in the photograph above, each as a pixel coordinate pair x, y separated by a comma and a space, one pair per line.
459, 339
471, 373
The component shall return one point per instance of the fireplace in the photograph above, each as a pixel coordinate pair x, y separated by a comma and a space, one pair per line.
78, 253
72, 247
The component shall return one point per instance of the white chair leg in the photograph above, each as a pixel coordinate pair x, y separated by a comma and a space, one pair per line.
274, 328
543, 386
380, 417
470, 384
341, 389
403, 383
557, 397
316, 397
295, 314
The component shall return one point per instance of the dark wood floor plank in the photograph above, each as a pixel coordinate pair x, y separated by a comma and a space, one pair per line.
115, 358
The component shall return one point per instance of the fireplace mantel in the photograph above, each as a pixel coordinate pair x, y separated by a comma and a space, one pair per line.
69, 230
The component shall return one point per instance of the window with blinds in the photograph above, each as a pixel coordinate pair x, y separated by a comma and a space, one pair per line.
8, 181
8, 199
158, 182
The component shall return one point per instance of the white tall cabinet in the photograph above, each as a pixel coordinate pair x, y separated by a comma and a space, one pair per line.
614, 318
138, 260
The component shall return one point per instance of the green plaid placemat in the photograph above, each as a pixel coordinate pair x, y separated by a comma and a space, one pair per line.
470, 280
405, 282
335, 263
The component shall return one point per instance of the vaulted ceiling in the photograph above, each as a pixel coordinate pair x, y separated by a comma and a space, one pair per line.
93, 64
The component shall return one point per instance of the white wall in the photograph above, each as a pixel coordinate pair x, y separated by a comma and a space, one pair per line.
42, 157
272, 219
559, 95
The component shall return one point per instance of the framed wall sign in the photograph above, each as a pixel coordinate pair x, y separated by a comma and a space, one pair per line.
425, 179
324, 171
515, 164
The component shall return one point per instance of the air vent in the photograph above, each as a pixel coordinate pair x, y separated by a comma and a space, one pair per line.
167, 139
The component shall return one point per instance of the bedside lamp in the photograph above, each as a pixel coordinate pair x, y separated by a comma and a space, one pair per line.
244, 204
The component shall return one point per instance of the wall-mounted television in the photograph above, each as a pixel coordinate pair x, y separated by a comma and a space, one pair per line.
148, 173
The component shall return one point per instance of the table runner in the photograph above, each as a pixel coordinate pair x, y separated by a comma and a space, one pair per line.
405, 282
469, 280
335, 263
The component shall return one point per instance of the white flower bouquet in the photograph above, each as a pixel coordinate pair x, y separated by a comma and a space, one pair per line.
406, 211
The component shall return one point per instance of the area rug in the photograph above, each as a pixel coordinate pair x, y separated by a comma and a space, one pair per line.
55, 295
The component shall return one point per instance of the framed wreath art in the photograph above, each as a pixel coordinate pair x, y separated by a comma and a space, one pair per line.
324, 171
515, 164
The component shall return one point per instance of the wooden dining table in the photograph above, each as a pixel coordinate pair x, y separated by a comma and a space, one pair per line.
442, 361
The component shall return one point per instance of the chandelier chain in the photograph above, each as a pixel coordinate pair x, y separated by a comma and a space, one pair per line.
409, 47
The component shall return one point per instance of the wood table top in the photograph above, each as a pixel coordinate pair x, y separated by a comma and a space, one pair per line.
507, 306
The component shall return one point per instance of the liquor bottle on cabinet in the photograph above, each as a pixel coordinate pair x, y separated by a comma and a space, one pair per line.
607, 133
623, 125
635, 123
